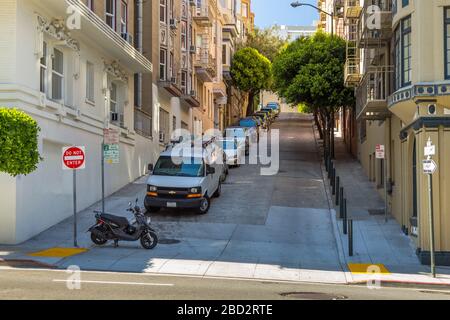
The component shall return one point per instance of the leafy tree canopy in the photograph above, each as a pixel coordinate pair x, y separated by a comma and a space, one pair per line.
266, 41
18, 142
251, 71
311, 71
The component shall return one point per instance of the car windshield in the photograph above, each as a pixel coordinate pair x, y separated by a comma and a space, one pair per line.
179, 167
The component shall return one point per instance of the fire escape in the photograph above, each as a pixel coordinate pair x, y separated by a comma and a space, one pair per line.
374, 35
352, 15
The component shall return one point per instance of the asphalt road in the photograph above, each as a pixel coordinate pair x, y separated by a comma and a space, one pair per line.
53, 284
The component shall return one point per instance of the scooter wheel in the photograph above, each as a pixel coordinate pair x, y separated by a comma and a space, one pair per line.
149, 240
97, 240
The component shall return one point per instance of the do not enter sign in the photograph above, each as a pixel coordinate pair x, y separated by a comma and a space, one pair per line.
73, 158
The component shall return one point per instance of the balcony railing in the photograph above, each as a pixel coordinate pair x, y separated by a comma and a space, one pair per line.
142, 123
373, 92
206, 63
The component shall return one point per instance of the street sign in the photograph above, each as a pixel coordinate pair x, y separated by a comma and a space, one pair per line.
111, 153
380, 151
111, 136
430, 149
429, 166
73, 158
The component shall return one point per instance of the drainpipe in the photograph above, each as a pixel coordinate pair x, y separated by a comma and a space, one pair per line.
139, 46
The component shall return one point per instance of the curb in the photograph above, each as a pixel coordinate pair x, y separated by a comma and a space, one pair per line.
406, 284
25, 263
337, 238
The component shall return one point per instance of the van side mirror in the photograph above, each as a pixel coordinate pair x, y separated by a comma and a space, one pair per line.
150, 167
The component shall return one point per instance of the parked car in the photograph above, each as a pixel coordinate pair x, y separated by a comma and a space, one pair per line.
274, 106
245, 135
186, 182
264, 118
234, 150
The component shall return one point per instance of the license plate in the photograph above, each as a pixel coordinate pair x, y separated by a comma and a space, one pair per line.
171, 204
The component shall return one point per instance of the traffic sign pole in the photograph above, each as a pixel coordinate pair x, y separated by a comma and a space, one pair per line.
103, 175
429, 168
75, 240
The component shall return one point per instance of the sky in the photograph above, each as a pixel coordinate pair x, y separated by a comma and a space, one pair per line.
270, 12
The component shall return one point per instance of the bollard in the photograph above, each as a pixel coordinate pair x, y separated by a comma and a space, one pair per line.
326, 161
341, 203
333, 181
350, 237
336, 189
330, 168
344, 221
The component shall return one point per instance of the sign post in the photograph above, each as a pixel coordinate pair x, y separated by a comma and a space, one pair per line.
74, 158
380, 153
110, 154
429, 168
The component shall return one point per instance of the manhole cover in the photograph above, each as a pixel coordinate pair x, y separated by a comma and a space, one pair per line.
313, 296
169, 241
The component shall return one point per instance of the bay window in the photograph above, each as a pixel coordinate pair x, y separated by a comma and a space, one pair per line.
123, 17
403, 54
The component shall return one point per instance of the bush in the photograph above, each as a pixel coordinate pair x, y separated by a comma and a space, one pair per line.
18, 142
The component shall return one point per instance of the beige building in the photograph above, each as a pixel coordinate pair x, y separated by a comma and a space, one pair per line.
398, 60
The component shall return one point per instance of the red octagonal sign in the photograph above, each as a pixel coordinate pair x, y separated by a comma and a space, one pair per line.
73, 158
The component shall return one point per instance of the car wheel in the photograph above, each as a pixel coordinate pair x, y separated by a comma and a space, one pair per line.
204, 205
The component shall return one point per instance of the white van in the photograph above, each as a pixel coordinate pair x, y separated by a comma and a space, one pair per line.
186, 182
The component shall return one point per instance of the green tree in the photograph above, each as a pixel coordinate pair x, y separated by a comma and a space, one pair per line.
18, 142
310, 71
266, 41
251, 73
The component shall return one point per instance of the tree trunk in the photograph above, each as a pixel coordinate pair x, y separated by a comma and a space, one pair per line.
251, 100
318, 124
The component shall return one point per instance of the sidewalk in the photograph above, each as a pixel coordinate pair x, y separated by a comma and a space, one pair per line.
375, 242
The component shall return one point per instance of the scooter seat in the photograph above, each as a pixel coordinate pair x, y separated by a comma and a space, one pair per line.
120, 221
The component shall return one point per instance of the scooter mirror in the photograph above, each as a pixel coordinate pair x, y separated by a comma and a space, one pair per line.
129, 204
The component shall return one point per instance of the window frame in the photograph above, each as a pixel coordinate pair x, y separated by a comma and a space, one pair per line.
55, 73
123, 22
43, 69
406, 32
162, 64
163, 11
112, 15
400, 34
446, 43
90, 82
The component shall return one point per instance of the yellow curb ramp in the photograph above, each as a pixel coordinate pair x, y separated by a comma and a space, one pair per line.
367, 268
58, 252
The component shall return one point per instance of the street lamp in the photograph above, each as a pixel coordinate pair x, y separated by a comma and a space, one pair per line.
299, 4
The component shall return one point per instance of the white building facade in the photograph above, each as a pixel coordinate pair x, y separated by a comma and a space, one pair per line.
68, 69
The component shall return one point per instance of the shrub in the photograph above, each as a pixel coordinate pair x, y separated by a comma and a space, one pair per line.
18, 142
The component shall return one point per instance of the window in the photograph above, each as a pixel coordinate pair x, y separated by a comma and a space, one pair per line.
171, 71
110, 13
174, 123
164, 123
123, 17
447, 41
162, 64
90, 4
43, 71
406, 47
183, 35
244, 10
163, 11
184, 82
57, 75
90, 82
405, 3
113, 98
403, 54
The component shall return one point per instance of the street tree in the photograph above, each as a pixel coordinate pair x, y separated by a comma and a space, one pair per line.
18, 142
266, 41
310, 71
251, 73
